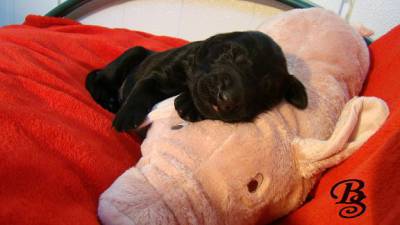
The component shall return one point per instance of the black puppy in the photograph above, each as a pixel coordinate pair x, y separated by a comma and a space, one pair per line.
230, 77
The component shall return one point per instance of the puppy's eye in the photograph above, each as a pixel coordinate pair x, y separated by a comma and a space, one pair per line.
224, 81
240, 59
214, 79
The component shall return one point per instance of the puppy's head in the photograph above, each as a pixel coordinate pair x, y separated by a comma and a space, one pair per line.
230, 87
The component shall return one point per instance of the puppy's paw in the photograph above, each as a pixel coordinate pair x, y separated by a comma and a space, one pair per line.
102, 92
186, 109
129, 118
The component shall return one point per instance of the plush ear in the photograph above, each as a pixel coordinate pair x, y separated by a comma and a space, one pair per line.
359, 120
296, 93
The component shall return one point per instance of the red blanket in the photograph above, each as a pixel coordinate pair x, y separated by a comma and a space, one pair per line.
58, 151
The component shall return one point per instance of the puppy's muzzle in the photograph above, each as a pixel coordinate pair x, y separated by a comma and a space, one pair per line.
226, 101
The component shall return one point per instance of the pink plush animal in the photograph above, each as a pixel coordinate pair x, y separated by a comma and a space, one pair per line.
213, 173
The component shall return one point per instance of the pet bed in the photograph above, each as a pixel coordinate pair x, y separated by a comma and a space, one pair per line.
59, 152
191, 20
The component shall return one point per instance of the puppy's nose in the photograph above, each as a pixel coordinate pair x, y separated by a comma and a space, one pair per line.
226, 102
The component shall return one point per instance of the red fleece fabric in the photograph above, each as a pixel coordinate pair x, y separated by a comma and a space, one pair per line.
58, 151
376, 164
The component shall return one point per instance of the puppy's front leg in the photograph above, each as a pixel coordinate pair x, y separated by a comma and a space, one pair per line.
137, 105
104, 84
186, 109
141, 99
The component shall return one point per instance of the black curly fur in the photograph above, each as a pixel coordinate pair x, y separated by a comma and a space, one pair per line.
230, 77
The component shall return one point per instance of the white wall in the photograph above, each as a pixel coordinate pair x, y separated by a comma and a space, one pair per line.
379, 15
15, 11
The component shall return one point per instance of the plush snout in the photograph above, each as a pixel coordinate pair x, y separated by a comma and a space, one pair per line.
146, 205
155, 198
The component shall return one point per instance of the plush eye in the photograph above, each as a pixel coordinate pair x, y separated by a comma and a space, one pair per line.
255, 183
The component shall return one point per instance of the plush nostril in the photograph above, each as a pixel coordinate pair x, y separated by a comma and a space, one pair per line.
252, 186
254, 183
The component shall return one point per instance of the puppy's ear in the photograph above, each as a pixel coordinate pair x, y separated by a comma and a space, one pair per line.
296, 93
